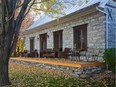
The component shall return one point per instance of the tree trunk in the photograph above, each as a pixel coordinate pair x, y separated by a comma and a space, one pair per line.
4, 62
9, 32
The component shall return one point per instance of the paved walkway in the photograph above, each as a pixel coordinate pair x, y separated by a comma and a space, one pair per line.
61, 62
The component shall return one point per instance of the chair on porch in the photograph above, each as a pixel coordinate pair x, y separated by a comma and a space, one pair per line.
82, 54
78, 53
63, 54
75, 55
58, 52
42, 52
26, 53
95, 54
48, 53
67, 52
92, 53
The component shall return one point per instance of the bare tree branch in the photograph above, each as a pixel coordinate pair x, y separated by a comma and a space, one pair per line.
19, 20
29, 9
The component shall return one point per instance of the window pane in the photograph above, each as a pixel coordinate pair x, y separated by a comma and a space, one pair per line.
80, 37
43, 41
58, 39
31, 44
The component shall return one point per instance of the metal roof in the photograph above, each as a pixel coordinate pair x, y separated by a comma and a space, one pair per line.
69, 9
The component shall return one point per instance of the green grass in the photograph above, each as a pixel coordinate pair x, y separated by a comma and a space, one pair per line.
29, 76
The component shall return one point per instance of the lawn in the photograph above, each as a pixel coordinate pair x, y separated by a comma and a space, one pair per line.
30, 76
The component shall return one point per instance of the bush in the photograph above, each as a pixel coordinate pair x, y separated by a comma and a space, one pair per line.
12, 55
109, 57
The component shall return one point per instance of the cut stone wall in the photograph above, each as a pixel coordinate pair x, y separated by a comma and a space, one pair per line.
95, 32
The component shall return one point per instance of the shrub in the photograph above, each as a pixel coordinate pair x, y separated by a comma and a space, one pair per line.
12, 55
109, 57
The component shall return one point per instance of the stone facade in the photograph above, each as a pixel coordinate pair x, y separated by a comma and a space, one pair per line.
95, 32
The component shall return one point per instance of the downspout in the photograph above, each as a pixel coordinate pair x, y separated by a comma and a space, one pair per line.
106, 26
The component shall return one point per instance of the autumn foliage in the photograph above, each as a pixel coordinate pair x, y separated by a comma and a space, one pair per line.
21, 46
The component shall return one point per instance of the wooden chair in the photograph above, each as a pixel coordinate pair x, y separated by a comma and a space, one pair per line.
89, 53
82, 53
76, 54
58, 52
67, 52
26, 53
42, 52
49, 53
95, 54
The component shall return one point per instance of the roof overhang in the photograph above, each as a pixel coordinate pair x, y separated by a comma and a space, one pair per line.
72, 16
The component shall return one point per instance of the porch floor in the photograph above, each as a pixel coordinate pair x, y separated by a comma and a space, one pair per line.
61, 62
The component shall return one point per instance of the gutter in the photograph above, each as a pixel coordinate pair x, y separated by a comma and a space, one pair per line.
106, 25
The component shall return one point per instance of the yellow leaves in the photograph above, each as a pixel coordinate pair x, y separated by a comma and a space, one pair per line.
21, 46
29, 76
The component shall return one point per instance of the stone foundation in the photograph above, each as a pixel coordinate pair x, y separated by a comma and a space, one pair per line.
78, 72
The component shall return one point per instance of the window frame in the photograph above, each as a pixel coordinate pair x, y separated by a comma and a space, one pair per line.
43, 39
83, 31
32, 44
58, 42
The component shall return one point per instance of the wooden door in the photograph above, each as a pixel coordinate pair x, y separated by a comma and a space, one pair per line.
32, 44
43, 41
58, 39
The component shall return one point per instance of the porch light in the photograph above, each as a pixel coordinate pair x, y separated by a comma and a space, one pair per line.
38, 37
47, 36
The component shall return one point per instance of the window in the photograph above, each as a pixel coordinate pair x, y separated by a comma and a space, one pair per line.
80, 37
43, 41
31, 44
58, 39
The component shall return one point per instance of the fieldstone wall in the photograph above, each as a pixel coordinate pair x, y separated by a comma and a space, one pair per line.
95, 32
78, 72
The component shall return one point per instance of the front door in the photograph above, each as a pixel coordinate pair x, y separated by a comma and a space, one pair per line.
32, 44
43, 41
58, 40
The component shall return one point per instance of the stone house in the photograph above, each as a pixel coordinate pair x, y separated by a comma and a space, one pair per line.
91, 24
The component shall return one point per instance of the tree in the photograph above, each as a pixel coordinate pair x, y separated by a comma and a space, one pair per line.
11, 24
21, 46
